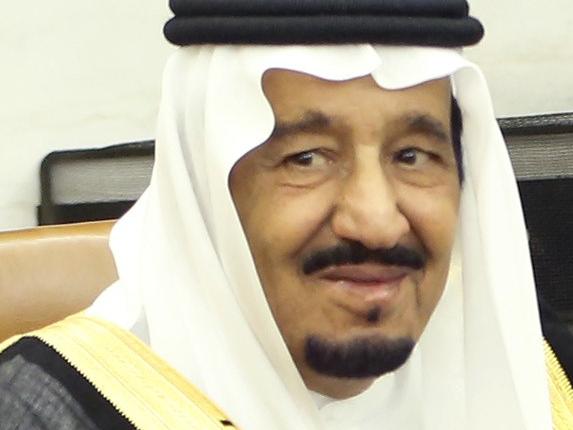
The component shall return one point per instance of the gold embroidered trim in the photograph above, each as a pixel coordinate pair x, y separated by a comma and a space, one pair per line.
140, 385
153, 396
560, 391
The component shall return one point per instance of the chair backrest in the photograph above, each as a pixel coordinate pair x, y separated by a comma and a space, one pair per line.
541, 149
47, 273
93, 184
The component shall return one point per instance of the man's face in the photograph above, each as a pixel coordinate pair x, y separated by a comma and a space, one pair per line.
350, 210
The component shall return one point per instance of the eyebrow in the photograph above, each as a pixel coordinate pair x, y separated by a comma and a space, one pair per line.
311, 122
314, 121
426, 124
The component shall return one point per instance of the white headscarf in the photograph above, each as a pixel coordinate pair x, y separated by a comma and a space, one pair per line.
188, 285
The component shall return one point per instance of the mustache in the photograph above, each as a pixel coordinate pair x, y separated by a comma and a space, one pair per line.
356, 253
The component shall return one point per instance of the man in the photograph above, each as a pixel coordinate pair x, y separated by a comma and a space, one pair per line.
312, 251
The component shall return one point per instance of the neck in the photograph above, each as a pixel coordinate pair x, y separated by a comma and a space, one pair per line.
336, 388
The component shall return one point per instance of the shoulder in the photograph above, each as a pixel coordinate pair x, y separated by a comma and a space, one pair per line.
108, 373
558, 335
559, 360
39, 390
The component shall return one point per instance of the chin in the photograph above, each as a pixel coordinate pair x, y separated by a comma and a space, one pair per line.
362, 357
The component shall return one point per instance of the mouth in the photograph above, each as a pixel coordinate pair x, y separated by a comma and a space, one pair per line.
361, 286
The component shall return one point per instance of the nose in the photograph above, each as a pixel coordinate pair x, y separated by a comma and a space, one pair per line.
367, 208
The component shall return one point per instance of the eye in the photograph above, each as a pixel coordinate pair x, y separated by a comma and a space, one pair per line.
412, 156
307, 168
307, 159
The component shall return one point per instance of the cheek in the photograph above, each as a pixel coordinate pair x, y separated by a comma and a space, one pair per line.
286, 219
433, 217
279, 224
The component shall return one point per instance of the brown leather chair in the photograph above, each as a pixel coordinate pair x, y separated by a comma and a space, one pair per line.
47, 273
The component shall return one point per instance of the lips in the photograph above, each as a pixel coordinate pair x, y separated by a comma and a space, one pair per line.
359, 286
364, 274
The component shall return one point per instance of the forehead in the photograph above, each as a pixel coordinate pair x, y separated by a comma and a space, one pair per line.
294, 94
